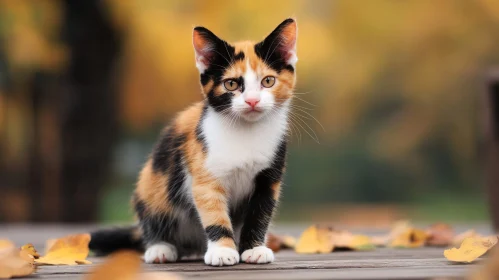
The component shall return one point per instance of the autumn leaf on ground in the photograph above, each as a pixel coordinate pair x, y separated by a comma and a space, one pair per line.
347, 240
125, 265
13, 264
277, 242
410, 238
471, 249
30, 249
458, 239
315, 239
439, 234
398, 228
69, 250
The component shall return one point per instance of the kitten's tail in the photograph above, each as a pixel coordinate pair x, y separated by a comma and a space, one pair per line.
106, 241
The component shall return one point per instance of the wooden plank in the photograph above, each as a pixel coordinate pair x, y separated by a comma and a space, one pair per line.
423, 263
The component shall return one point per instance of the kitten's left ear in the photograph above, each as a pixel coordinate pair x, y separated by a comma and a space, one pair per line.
205, 44
283, 42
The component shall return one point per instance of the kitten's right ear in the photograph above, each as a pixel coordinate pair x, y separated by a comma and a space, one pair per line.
205, 44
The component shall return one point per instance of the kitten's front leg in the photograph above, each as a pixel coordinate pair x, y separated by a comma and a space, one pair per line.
211, 202
260, 211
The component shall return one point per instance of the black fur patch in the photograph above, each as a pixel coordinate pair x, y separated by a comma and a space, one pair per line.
220, 102
262, 204
104, 242
268, 49
176, 178
199, 130
162, 154
215, 233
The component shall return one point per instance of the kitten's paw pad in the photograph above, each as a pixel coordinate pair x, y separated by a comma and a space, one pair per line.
220, 256
259, 254
161, 253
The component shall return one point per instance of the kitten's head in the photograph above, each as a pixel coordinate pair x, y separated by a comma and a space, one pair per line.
247, 79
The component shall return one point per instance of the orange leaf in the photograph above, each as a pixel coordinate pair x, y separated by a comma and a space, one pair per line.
30, 249
69, 250
315, 240
13, 265
471, 249
439, 234
411, 238
122, 265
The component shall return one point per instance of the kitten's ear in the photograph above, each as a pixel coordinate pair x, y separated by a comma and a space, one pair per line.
205, 44
283, 41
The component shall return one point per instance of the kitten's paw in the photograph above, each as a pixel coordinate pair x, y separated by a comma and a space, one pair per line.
161, 253
259, 254
220, 256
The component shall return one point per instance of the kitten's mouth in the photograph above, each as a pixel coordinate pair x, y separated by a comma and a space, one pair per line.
253, 110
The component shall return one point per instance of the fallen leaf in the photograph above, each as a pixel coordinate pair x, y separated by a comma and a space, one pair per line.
471, 249
274, 242
48, 244
122, 265
69, 250
410, 238
398, 228
288, 242
439, 234
125, 265
12, 264
458, 239
30, 249
314, 240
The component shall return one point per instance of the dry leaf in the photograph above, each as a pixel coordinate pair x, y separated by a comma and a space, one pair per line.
30, 249
48, 244
12, 264
398, 228
471, 249
458, 239
125, 265
274, 242
277, 242
347, 240
439, 234
410, 238
315, 240
122, 265
288, 242
69, 250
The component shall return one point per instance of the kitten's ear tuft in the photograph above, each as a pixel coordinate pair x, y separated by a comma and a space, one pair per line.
283, 41
205, 43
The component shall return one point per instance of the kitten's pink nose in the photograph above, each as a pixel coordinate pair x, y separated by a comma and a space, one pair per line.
252, 102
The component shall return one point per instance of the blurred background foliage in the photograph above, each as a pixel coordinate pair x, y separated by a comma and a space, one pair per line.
396, 86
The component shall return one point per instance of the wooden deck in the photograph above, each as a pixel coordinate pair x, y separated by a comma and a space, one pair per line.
424, 263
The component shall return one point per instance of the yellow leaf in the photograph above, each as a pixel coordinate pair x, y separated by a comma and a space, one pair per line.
122, 265
411, 238
69, 250
13, 265
288, 241
471, 249
458, 239
30, 249
48, 244
315, 240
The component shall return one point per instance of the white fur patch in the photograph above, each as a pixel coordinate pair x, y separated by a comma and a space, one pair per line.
220, 256
237, 152
259, 254
162, 252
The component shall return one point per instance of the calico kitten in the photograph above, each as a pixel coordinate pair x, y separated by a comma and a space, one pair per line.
212, 183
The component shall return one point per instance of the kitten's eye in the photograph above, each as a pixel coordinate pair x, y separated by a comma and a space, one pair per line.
231, 85
268, 81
